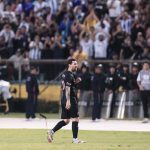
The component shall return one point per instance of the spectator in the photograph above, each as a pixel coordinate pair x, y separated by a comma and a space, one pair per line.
114, 8
25, 64
39, 7
127, 50
27, 6
143, 81
101, 8
98, 87
139, 44
21, 39
100, 46
53, 4
125, 22
124, 78
57, 47
32, 89
103, 25
90, 20
35, 48
64, 28
9, 14
79, 14
87, 43
17, 61
76, 29
85, 90
117, 39
3, 52
8, 35
145, 54
111, 84
80, 55
1, 7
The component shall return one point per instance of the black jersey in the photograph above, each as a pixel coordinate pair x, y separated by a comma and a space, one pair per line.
68, 79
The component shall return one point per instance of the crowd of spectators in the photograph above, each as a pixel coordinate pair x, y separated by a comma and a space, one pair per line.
82, 29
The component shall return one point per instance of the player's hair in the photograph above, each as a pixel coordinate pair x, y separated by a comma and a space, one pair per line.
70, 61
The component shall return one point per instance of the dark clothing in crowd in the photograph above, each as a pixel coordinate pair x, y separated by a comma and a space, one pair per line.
85, 83
98, 87
133, 82
124, 80
112, 81
112, 85
32, 89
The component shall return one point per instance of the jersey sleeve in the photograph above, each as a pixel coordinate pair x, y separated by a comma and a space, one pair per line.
66, 78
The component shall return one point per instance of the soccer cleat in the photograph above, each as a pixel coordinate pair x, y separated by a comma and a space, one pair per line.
77, 141
50, 136
145, 120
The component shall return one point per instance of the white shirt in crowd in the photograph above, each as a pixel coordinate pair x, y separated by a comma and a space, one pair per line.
10, 15
38, 6
126, 25
26, 24
1, 7
106, 28
53, 4
87, 47
8, 35
35, 50
100, 47
144, 78
17, 60
114, 7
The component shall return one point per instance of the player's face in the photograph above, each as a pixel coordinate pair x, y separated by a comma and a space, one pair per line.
74, 66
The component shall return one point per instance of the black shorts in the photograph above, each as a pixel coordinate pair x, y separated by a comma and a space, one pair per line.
71, 113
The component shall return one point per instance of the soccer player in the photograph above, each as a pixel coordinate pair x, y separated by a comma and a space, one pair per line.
69, 103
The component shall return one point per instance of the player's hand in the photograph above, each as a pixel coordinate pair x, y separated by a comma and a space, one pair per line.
68, 105
78, 80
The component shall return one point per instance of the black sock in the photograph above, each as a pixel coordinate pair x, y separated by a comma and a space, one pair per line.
75, 129
59, 125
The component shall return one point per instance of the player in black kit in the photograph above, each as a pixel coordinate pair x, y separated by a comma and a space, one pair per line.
69, 103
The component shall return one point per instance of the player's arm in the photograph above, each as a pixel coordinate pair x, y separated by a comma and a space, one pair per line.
68, 105
78, 79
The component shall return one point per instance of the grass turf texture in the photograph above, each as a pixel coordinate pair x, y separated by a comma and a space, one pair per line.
22, 115
12, 139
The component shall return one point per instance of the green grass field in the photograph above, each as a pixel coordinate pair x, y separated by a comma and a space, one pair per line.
22, 115
36, 140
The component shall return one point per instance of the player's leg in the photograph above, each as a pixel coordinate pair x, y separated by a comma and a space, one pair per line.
65, 116
75, 121
57, 127
60, 124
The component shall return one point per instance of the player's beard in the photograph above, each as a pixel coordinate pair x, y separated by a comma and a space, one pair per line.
74, 69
